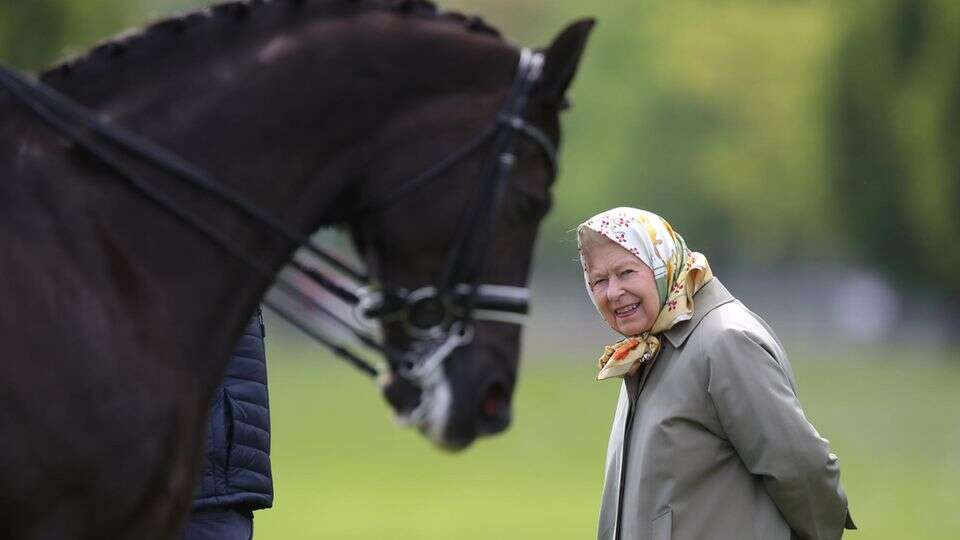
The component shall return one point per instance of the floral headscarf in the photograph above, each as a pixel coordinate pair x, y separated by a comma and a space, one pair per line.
679, 274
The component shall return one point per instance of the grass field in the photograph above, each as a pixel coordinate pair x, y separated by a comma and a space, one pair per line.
344, 470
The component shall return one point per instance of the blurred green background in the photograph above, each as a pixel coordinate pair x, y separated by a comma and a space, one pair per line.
810, 148
343, 469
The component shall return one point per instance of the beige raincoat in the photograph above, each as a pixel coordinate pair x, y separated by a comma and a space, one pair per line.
709, 442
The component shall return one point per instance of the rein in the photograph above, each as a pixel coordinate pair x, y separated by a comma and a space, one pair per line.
437, 318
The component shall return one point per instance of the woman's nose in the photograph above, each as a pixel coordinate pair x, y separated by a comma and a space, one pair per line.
614, 290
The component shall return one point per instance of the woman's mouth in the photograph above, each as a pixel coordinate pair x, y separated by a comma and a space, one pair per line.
627, 311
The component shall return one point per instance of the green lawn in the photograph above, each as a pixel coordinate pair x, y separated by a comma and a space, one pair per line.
344, 470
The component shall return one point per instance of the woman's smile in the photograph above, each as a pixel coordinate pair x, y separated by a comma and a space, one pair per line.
627, 312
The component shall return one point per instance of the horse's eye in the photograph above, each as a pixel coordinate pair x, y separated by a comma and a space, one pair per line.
528, 208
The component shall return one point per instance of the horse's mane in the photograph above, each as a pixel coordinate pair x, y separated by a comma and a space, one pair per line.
114, 48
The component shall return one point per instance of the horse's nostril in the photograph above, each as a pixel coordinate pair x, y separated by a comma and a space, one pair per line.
401, 394
494, 400
495, 409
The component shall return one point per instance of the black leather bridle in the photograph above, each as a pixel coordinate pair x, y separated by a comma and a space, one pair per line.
438, 318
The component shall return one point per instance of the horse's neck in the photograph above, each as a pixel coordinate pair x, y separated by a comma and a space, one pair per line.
237, 112
281, 109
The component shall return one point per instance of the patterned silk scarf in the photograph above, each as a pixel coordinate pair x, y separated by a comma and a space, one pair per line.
679, 274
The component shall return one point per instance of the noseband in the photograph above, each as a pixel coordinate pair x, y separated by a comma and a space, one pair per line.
437, 318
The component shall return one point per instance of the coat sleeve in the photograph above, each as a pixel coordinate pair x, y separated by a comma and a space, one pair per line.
761, 415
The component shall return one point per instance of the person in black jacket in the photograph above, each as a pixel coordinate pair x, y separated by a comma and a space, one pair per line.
236, 477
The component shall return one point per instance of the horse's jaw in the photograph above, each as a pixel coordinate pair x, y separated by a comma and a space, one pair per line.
433, 410
427, 408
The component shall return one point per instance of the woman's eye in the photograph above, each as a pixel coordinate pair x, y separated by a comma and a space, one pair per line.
597, 282
626, 272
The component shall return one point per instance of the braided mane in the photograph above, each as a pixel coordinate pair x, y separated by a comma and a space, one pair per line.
239, 10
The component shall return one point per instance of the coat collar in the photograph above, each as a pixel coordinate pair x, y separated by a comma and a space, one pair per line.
711, 296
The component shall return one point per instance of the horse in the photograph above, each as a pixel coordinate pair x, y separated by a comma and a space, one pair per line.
117, 317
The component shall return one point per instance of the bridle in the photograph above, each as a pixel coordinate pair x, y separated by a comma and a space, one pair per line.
438, 318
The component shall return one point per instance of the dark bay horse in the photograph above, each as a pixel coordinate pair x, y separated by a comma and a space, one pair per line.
116, 319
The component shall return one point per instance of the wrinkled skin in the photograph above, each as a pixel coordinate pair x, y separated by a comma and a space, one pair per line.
622, 287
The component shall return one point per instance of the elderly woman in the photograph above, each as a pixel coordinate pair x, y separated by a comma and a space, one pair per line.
709, 440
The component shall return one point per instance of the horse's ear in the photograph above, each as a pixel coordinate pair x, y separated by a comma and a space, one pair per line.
562, 59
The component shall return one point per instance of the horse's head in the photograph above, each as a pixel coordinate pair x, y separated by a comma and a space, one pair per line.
455, 369
439, 135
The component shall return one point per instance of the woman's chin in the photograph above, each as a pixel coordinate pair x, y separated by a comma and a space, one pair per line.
631, 328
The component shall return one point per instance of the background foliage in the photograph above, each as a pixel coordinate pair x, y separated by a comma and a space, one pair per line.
897, 131
778, 136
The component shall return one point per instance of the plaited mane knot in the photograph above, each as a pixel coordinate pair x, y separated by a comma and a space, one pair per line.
238, 10
111, 49
177, 26
479, 25
419, 6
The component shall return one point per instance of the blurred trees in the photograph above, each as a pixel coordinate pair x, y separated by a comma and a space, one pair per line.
728, 144
710, 113
33, 34
897, 135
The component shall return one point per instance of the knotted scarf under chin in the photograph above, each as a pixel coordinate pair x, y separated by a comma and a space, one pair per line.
626, 357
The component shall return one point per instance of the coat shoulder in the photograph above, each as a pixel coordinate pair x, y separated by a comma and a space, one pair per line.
732, 338
733, 321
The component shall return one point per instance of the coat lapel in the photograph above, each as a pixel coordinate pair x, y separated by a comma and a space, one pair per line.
709, 297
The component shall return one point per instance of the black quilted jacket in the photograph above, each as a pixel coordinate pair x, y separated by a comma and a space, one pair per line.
236, 473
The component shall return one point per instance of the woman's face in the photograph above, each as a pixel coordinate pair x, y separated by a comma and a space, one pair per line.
623, 287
